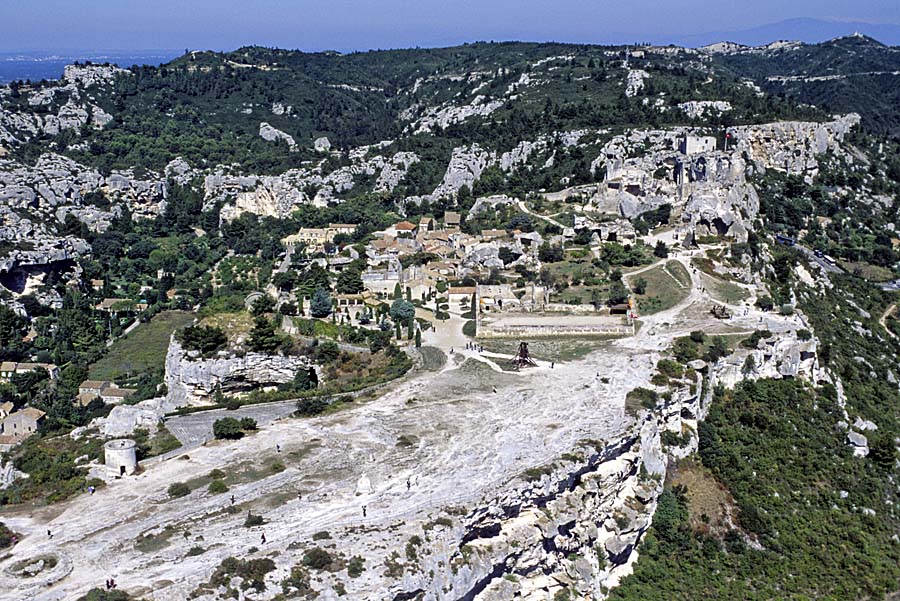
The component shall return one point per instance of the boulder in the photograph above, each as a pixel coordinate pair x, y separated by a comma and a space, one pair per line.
270, 134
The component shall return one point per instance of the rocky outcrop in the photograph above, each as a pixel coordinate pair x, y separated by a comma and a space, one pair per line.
57, 181
634, 82
33, 244
698, 109
90, 75
784, 356
465, 167
792, 146
77, 110
394, 171
123, 419
279, 108
271, 134
191, 380
485, 203
574, 524
440, 117
722, 211
279, 195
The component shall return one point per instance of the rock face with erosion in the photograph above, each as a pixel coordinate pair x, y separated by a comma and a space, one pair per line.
192, 380
792, 146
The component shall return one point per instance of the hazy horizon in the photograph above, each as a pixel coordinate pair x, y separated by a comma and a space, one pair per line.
344, 25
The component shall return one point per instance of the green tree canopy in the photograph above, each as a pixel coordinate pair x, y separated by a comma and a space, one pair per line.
320, 305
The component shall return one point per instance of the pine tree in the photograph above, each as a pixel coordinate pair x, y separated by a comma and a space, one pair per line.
398, 291
320, 304
263, 337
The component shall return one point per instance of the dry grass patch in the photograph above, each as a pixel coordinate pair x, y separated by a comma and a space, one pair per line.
711, 509
235, 325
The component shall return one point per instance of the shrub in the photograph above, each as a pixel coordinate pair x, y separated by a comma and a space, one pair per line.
698, 336
217, 487
317, 559
305, 379
669, 368
312, 405
685, 350
327, 352
765, 303
227, 428
6, 536
718, 348
179, 489
248, 423
195, 551
356, 566
96, 594
253, 520
469, 328
203, 339
641, 398
640, 286
216, 474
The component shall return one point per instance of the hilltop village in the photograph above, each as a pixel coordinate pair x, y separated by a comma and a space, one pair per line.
400, 340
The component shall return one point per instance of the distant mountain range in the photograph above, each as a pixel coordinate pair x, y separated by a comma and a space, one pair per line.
801, 29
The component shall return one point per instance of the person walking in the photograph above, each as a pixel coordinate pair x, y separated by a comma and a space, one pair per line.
262, 539
364, 510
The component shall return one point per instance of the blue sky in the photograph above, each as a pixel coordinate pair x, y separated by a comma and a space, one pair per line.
364, 24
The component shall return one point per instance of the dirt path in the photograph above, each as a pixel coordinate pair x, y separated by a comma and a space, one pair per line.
524, 208
883, 320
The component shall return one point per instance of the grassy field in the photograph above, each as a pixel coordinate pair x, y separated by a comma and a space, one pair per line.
873, 273
723, 291
235, 325
141, 351
666, 287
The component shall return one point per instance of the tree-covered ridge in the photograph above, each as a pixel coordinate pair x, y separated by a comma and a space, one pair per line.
825, 520
207, 107
853, 73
